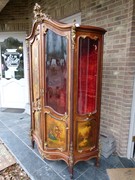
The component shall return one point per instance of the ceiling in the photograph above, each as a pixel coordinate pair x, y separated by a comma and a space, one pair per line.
3, 4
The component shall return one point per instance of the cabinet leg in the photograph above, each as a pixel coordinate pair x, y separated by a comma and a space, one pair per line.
71, 171
33, 143
97, 161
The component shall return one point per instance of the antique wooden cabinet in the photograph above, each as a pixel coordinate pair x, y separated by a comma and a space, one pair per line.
65, 88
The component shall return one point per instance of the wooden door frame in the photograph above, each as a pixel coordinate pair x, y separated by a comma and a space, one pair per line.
130, 147
20, 35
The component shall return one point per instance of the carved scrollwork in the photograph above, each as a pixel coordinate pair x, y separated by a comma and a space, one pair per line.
45, 144
44, 29
45, 155
92, 37
64, 118
37, 33
38, 15
73, 35
71, 161
41, 92
91, 148
36, 106
61, 149
46, 147
80, 151
95, 38
31, 132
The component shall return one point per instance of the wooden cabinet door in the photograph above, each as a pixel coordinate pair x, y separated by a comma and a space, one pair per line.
55, 85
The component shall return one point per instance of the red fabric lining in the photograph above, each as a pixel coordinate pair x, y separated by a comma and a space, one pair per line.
87, 75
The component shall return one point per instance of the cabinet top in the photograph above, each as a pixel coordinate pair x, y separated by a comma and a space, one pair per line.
42, 18
90, 28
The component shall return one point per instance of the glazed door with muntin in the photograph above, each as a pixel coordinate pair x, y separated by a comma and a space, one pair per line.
13, 71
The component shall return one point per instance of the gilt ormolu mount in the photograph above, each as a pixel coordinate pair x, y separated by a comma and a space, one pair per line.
65, 89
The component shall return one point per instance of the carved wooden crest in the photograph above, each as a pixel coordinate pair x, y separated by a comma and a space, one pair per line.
38, 15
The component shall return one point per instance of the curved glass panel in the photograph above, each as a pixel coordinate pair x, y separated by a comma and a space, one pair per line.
56, 71
87, 75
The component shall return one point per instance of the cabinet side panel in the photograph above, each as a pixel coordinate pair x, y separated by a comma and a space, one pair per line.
36, 99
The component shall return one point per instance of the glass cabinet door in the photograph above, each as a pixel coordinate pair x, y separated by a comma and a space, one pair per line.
56, 71
87, 75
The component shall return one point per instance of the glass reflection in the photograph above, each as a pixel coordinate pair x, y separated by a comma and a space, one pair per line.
87, 75
56, 71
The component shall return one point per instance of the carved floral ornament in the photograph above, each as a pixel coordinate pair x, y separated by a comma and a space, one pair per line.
38, 15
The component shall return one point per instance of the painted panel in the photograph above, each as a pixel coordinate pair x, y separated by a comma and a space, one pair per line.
86, 135
37, 119
56, 133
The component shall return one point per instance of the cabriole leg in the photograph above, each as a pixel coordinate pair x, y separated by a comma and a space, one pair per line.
97, 161
71, 171
32, 143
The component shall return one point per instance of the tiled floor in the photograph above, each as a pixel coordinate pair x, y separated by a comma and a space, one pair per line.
14, 132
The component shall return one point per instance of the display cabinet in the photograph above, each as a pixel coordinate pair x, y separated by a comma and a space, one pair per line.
65, 88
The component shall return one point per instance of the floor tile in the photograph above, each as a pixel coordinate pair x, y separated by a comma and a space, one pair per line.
101, 176
92, 161
66, 175
81, 166
126, 162
82, 178
112, 160
103, 165
46, 173
93, 173
57, 166
32, 162
90, 173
